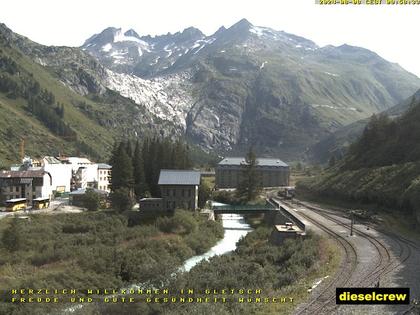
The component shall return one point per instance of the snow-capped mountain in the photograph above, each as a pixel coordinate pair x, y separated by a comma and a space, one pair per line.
249, 84
241, 85
126, 51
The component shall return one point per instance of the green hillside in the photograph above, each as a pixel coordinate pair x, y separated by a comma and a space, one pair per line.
337, 143
382, 167
23, 84
39, 104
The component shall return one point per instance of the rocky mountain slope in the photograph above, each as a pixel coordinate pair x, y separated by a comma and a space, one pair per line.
249, 85
55, 99
242, 85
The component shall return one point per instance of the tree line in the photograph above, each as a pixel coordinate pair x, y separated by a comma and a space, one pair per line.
16, 82
387, 141
136, 167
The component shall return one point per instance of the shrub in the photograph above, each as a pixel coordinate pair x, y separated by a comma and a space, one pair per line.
91, 200
12, 236
182, 222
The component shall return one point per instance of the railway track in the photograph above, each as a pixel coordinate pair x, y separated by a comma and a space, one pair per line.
405, 245
326, 296
386, 263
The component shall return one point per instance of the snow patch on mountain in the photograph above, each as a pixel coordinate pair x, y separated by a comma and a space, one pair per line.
331, 74
263, 64
107, 47
166, 97
120, 37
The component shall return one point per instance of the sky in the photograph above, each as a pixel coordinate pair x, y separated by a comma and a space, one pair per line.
389, 30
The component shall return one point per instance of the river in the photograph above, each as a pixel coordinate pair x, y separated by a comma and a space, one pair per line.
235, 227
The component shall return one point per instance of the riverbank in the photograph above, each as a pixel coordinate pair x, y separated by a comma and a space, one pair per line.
256, 278
95, 251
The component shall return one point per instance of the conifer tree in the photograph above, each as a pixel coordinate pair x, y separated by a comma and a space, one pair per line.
122, 169
140, 185
129, 149
250, 186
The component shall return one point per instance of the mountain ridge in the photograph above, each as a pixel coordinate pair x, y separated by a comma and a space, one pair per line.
243, 85
254, 66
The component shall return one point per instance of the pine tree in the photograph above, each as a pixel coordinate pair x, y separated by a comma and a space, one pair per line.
122, 169
140, 185
129, 149
250, 186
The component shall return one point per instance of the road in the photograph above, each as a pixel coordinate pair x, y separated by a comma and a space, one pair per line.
57, 206
369, 256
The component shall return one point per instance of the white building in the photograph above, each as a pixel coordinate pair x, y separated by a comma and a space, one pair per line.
104, 177
61, 173
85, 172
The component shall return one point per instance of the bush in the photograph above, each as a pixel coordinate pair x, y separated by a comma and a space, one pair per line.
181, 223
91, 200
12, 238
75, 228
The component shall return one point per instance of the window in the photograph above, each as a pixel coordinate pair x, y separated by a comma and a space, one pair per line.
11, 188
17, 188
183, 192
189, 192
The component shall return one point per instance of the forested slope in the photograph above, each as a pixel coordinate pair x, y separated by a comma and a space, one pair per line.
382, 167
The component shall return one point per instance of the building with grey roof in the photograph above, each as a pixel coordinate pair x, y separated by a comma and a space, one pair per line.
179, 177
271, 172
179, 189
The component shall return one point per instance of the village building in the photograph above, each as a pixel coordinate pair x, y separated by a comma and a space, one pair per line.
61, 173
87, 174
104, 177
179, 189
270, 171
29, 184
151, 204
43, 178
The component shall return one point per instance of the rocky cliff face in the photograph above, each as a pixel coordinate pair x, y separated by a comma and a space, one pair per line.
242, 85
250, 85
